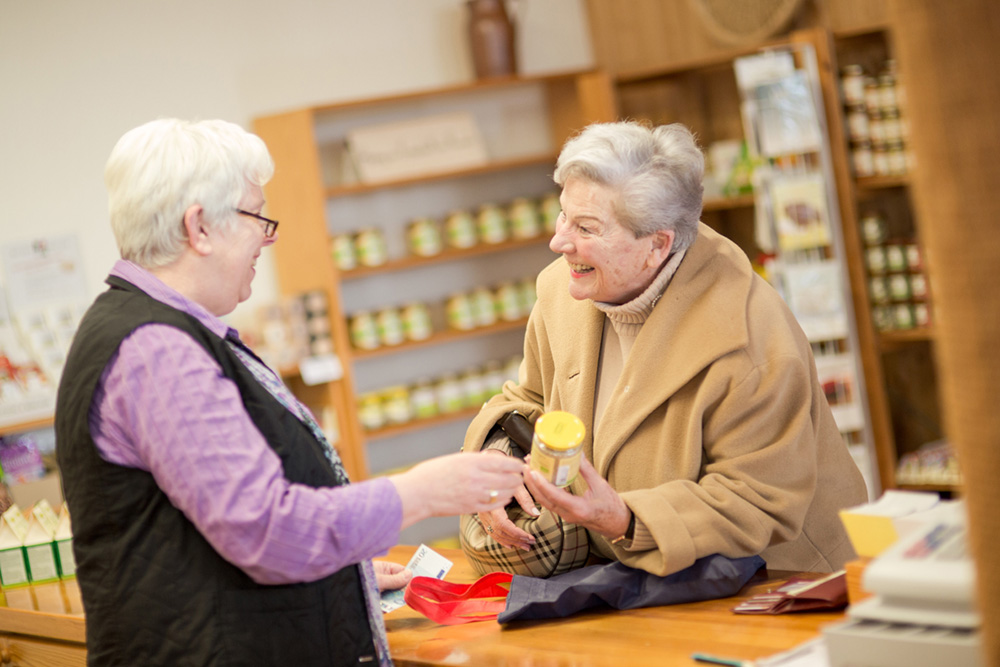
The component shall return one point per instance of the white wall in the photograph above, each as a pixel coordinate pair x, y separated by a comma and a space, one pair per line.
75, 76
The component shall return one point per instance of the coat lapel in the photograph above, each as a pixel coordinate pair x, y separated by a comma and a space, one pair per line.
691, 326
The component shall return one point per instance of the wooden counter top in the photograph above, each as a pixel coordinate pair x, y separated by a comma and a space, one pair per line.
44, 625
655, 636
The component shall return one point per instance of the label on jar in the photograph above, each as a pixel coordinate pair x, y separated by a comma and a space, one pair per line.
558, 471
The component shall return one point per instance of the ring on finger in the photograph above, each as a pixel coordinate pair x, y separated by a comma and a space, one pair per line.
489, 529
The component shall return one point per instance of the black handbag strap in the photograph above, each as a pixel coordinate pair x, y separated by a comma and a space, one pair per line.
519, 430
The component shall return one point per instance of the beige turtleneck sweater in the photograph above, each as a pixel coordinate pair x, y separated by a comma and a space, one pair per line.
621, 326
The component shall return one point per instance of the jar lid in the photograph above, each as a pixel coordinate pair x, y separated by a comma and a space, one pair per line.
560, 430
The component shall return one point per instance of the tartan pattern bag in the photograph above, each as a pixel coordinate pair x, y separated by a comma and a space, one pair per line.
559, 547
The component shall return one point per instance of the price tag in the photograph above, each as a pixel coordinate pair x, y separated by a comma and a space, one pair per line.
321, 368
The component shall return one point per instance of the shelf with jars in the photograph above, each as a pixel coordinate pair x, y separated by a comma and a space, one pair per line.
408, 261
899, 294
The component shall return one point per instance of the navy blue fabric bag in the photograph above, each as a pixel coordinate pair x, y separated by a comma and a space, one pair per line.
620, 587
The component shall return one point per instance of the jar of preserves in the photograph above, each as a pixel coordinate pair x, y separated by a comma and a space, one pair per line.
508, 300
370, 246
483, 307
491, 224
370, 411
396, 405
857, 123
474, 386
416, 321
423, 236
450, 397
873, 228
524, 219
556, 447
550, 208
342, 250
459, 313
852, 84
364, 333
423, 399
460, 230
389, 326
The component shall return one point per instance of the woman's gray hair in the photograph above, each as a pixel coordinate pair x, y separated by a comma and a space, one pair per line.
657, 173
158, 170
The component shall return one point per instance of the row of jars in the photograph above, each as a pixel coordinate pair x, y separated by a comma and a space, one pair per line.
897, 283
509, 301
876, 124
430, 397
390, 326
523, 218
483, 306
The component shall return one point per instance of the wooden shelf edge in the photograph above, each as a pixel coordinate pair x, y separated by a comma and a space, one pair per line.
29, 425
439, 338
420, 424
446, 255
453, 89
891, 339
488, 168
728, 203
882, 182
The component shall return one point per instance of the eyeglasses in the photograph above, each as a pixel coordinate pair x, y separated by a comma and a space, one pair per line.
270, 226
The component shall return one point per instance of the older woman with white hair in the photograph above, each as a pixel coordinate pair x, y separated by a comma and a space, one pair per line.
213, 523
707, 431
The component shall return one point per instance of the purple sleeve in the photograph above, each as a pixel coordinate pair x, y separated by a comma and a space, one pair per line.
164, 406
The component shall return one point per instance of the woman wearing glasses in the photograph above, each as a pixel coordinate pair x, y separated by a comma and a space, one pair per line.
213, 523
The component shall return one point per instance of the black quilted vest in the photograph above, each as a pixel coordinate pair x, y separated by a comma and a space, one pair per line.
154, 591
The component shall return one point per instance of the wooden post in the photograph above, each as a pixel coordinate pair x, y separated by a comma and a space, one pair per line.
947, 57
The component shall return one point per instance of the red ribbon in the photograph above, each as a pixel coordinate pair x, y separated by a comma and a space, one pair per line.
452, 604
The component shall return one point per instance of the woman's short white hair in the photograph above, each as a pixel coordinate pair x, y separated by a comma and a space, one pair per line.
657, 173
158, 170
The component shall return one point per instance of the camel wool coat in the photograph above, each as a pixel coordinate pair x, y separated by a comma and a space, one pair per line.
717, 436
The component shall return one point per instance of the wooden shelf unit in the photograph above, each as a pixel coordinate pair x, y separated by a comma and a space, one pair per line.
903, 359
305, 189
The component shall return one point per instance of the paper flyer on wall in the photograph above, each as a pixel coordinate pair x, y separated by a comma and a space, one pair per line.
801, 216
814, 294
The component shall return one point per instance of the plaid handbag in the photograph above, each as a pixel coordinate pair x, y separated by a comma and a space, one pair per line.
559, 547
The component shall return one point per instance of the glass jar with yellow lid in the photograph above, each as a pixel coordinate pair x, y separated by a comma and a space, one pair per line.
557, 446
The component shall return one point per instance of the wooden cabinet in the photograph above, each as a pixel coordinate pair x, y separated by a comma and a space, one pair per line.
901, 323
523, 122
